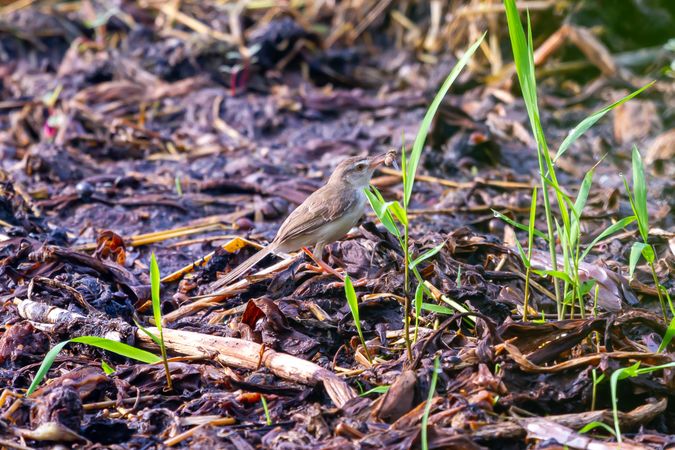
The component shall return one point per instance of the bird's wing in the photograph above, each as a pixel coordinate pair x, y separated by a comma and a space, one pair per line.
323, 206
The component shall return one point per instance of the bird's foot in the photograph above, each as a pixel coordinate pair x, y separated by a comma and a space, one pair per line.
321, 266
340, 284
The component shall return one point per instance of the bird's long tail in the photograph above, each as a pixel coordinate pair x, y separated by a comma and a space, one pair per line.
243, 267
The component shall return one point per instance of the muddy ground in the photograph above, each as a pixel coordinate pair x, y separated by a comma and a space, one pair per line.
208, 121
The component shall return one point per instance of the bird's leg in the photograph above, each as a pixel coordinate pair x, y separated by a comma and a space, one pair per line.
316, 257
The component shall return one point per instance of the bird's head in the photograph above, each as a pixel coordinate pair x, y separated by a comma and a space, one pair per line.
357, 171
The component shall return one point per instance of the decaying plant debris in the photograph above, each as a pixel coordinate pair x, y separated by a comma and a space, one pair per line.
191, 129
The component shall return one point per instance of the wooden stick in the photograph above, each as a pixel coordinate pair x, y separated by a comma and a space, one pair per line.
247, 355
227, 351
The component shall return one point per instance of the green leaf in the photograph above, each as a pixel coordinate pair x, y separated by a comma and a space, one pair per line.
147, 332
531, 225
554, 273
518, 225
352, 301
106, 368
598, 380
458, 306
648, 253
578, 207
618, 226
398, 211
154, 290
523, 255
640, 194
419, 296
404, 171
438, 309
635, 253
119, 348
268, 418
522, 56
376, 390
426, 255
589, 121
421, 137
427, 406
593, 425
620, 374
668, 336
381, 212
95, 341
45, 366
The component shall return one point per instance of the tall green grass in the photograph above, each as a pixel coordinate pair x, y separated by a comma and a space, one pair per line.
565, 226
638, 202
389, 213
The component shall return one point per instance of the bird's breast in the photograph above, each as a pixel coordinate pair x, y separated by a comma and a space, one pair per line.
339, 227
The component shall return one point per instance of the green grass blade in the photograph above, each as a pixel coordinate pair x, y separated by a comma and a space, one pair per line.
427, 406
119, 348
618, 226
398, 211
421, 137
147, 332
438, 309
620, 374
107, 369
268, 418
668, 336
640, 194
426, 255
353, 303
458, 306
531, 224
522, 56
578, 207
404, 171
636, 251
523, 255
376, 390
593, 425
554, 273
157, 313
518, 225
45, 366
419, 296
95, 341
589, 121
154, 290
380, 209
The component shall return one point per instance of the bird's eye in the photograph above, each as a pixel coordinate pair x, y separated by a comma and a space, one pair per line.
360, 167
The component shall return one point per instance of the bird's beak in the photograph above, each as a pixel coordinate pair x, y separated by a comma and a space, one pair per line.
377, 160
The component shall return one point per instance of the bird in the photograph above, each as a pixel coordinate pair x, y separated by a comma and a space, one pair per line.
324, 217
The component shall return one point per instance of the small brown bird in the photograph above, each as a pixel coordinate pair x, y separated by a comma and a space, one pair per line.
324, 217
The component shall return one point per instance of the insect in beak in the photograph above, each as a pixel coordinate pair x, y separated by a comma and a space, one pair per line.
377, 160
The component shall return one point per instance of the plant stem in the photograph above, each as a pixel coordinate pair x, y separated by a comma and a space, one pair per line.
549, 230
406, 288
162, 347
595, 389
657, 285
526, 301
